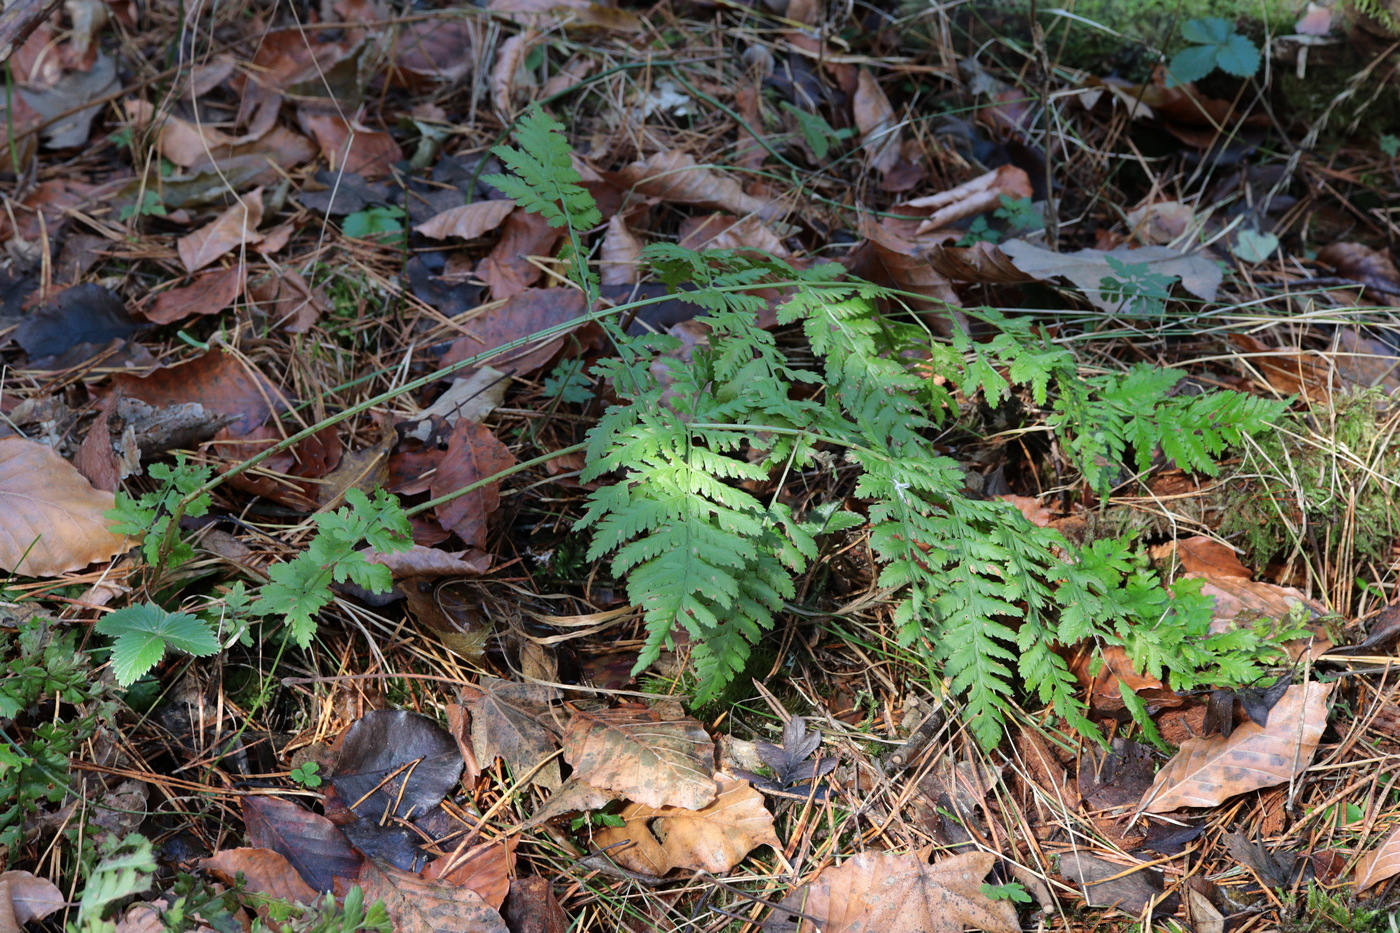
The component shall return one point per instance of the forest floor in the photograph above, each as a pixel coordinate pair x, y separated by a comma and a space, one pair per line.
243, 243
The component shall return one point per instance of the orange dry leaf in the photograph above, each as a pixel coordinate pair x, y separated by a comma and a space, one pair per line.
621, 253
1207, 771
351, 147
874, 116
267, 872
902, 894
715, 838
52, 520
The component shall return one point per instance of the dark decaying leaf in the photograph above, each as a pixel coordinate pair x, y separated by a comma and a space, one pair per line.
533, 908
1131, 893
525, 313
310, 842
84, 317
1275, 869
794, 773
217, 380
396, 763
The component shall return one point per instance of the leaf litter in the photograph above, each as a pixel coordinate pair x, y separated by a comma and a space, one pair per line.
301, 228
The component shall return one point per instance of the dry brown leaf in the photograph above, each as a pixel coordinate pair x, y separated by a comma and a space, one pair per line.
527, 312
901, 894
635, 753
267, 872
417, 905
485, 868
227, 232
208, 293
25, 897
182, 142
473, 454
218, 380
983, 193
52, 520
874, 116
1308, 373
724, 231
437, 50
675, 176
1239, 601
351, 147
714, 839
468, 221
1161, 222
1373, 268
1199, 274
1207, 558
980, 262
1381, 864
1207, 771
902, 264
621, 252
508, 723
509, 77
508, 270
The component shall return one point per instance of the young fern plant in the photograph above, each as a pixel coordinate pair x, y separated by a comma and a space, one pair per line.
985, 596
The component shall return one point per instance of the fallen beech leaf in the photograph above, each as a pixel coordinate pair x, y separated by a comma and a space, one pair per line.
533, 908
1308, 373
1206, 557
675, 176
266, 871
510, 269
485, 869
314, 846
208, 293
26, 897
526, 313
217, 380
227, 232
437, 50
350, 147
1381, 864
1131, 893
636, 753
983, 193
1373, 268
1207, 771
1086, 268
901, 894
875, 119
713, 839
473, 454
621, 253
468, 221
52, 520
724, 231
903, 265
417, 905
981, 262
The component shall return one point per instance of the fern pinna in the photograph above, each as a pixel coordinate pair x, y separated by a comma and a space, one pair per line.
982, 593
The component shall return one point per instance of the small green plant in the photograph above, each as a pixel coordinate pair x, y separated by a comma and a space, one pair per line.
384, 224
300, 588
142, 633
1018, 215
297, 590
1140, 292
306, 775
980, 593
1390, 144
125, 869
569, 383
150, 516
819, 134
49, 705
596, 818
150, 205
1011, 891
1214, 44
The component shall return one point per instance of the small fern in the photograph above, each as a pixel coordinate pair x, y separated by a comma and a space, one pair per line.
982, 593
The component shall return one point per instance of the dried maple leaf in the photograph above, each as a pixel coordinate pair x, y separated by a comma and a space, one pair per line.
1207, 771
715, 838
636, 753
901, 894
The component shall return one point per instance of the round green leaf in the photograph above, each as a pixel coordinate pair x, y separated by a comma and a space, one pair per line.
1238, 57
1192, 64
